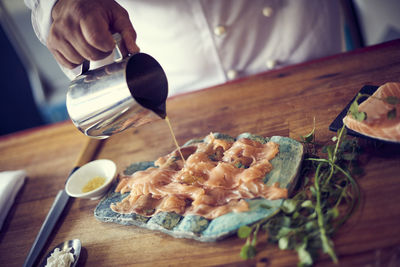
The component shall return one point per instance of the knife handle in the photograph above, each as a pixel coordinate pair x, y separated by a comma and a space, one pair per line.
91, 148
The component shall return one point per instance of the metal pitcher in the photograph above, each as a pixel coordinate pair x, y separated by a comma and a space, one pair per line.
129, 92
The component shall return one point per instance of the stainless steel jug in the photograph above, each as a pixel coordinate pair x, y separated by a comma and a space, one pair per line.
127, 93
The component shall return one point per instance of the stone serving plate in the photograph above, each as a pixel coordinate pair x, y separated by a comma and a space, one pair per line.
286, 168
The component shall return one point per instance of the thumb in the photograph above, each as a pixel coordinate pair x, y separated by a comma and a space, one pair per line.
123, 25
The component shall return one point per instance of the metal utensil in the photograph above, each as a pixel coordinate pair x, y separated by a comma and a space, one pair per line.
129, 92
74, 245
60, 202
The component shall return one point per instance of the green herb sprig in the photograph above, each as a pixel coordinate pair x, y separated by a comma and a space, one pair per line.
325, 200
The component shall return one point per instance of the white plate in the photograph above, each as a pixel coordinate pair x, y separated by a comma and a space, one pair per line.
97, 168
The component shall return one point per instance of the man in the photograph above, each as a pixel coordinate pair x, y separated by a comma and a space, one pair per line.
199, 43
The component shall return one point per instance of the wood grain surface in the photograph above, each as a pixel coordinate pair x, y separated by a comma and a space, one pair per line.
281, 102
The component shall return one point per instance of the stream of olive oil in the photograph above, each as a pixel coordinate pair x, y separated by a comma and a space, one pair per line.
173, 136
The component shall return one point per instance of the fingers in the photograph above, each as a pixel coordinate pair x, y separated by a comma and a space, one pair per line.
62, 60
73, 51
95, 31
82, 30
87, 51
62, 50
123, 25
129, 38
70, 54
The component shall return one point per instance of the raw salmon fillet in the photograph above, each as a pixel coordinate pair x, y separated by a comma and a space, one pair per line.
377, 124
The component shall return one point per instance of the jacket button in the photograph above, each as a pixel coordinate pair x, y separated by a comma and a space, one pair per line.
232, 74
219, 30
267, 11
271, 64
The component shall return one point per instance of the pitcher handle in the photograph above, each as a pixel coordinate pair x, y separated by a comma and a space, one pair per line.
117, 54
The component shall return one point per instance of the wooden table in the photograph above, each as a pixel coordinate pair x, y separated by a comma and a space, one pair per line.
281, 102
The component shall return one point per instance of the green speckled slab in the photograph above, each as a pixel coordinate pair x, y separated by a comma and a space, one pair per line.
286, 167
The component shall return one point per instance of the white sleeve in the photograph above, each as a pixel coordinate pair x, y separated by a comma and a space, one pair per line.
41, 22
41, 17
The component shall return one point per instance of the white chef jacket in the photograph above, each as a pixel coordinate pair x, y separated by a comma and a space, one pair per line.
201, 43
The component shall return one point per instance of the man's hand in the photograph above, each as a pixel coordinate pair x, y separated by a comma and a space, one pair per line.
82, 30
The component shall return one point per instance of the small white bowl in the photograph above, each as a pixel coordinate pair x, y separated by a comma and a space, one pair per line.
97, 168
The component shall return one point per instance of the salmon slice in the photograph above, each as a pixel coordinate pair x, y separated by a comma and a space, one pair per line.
173, 203
182, 190
258, 188
214, 180
377, 124
209, 211
143, 204
256, 171
145, 182
217, 197
223, 175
